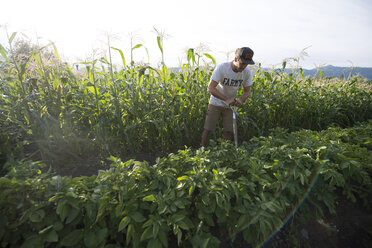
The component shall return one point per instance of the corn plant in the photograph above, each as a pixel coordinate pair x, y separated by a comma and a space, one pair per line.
99, 111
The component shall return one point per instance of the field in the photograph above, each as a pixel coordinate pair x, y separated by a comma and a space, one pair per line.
95, 156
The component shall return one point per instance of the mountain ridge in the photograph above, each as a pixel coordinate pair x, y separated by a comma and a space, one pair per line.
328, 70
336, 71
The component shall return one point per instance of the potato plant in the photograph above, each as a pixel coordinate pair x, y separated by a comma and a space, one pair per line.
192, 198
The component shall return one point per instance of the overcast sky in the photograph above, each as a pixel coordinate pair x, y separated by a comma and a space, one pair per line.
335, 32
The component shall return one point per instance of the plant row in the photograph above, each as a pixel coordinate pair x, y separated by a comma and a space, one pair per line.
192, 198
128, 112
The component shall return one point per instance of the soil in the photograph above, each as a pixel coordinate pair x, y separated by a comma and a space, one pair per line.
350, 227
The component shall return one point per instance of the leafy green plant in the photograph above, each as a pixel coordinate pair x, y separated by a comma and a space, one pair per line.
196, 198
293, 154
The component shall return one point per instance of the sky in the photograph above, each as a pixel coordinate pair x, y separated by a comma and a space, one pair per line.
319, 32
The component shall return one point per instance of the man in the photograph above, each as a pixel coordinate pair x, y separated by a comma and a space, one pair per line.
225, 82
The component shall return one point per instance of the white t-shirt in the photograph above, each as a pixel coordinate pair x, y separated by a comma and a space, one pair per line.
229, 82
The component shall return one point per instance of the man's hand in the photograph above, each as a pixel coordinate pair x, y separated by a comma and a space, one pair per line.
238, 102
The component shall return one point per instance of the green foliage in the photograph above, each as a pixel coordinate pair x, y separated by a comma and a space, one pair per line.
294, 103
63, 119
138, 112
294, 153
195, 198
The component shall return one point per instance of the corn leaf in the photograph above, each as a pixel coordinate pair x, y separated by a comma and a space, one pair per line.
121, 55
3, 52
136, 46
210, 57
12, 37
159, 44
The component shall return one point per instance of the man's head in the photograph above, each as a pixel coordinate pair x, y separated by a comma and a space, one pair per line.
243, 57
245, 54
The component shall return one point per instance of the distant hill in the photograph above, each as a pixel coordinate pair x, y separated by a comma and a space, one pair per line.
329, 70
335, 71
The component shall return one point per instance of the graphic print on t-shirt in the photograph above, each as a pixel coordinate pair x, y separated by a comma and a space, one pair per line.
232, 82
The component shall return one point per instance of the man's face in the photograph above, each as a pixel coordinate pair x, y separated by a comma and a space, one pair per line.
239, 65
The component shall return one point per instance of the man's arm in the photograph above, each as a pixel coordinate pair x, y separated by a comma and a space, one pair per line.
212, 89
244, 96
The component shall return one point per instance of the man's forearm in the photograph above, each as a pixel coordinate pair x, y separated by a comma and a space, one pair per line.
214, 92
245, 95
212, 89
